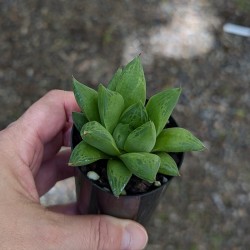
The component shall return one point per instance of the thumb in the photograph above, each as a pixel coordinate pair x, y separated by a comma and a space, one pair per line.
100, 232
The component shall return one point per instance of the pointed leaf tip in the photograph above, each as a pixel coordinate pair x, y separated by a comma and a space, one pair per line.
118, 176
97, 136
177, 140
142, 139
161, 105
86, 98
115, 79
84, 154
132, 83
135, 115
168, 165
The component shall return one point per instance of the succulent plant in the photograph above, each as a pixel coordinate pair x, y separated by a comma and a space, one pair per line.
116, 123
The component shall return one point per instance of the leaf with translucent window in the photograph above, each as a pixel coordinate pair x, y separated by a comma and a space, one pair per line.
177, 140
118, 176
87, 100
142, 139
84, 154
160, 107
97, 136
168, 165
132, 84
135, 115
144, 165
110, 105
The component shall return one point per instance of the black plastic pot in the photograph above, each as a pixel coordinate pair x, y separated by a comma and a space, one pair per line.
92, 199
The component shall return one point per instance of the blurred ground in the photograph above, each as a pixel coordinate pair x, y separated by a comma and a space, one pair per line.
42, 43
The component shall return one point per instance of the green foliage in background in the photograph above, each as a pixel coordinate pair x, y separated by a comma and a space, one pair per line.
243, 5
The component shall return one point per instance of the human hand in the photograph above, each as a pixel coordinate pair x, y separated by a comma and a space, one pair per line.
31, 163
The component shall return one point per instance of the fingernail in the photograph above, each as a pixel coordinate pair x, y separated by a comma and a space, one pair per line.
134, 238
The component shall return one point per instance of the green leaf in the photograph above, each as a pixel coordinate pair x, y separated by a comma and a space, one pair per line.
121, 133
143, 165
84, 154
168, 165
79, 120
87, 100
135, 115
111, 105
160, 107
132, 84
142, 139
115, 79
177, 140
118, 176
97, 136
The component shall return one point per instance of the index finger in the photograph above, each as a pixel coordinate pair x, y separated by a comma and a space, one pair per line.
39, 125
48, 116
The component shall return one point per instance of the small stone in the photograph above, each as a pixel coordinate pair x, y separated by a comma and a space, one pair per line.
165, 179
123, 192
93, 176
157, 183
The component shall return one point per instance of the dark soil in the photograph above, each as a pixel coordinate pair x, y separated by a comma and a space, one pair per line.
135, 185
44, 43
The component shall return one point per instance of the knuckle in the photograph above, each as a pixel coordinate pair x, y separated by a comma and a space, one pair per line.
53, 93
105, 234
